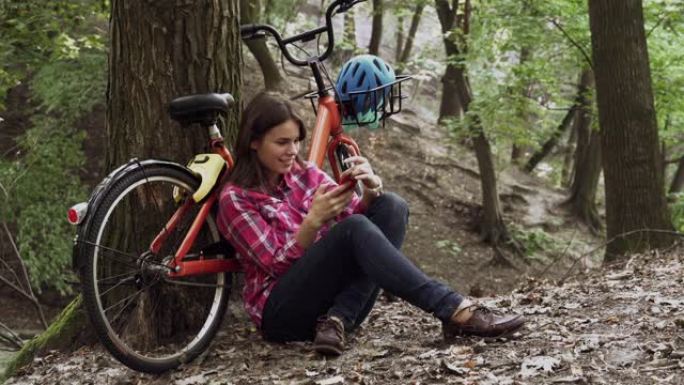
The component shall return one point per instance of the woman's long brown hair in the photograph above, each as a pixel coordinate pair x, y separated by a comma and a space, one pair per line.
264, 112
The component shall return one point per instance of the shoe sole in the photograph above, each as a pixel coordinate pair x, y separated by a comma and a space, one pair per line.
327, 350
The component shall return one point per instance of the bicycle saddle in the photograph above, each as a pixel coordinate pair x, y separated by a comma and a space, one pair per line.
200, 108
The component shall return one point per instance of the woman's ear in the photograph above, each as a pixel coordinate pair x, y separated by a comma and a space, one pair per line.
254, 144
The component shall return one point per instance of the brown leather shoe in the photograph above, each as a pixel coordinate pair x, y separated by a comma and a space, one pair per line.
329, 338
480, 321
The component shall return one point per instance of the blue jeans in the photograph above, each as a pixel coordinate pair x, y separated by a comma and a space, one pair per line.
342, 273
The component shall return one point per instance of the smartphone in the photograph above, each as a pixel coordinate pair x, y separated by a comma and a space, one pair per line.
348, 181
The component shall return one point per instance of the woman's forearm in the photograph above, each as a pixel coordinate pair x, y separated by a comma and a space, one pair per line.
307, 232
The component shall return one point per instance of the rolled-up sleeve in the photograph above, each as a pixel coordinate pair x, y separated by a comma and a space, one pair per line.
254, 238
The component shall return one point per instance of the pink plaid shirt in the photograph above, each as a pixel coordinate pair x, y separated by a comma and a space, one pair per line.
262, 228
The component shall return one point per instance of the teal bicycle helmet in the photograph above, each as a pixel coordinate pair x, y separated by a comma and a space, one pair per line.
363, 73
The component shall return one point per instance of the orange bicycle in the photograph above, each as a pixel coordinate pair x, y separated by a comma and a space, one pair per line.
156, 274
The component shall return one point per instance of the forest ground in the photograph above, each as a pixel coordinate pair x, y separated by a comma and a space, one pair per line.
626, 328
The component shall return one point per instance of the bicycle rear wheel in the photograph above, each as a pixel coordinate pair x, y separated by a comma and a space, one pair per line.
149, 322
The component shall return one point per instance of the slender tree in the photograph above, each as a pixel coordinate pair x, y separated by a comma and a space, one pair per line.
635, 197
250, 13
376, 31
413, 29
456, 87
582, 199
451, 105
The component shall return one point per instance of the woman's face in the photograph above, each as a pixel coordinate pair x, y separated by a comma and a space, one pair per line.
277, 149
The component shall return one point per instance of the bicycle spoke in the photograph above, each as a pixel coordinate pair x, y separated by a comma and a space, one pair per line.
101, 280
110, 249
132, 296
186, 283
131, 279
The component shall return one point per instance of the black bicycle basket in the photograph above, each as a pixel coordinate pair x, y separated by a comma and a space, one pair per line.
377, 104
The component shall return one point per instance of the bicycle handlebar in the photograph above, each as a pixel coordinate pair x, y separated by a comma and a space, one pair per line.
252, 31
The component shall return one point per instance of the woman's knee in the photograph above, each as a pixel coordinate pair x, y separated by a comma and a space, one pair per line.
395, 203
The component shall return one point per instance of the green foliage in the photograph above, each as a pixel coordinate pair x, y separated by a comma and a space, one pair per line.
536, 242
59, 48
677, 209
449, 246
40, 186
36, 32
523, 68
45, 180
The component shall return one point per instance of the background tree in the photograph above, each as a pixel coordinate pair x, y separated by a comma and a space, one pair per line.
376, 32
404, 52
635, 198
250, 13
587, 163
457, 87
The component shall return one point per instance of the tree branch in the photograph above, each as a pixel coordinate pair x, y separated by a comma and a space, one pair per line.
573, 42
31, 295
11, 337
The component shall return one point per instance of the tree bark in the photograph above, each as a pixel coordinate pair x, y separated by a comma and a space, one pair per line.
568, 157
635, 198
376, 32
158, 51
400, 38
450, 104
677, 184
408, 45
250, 13
582, 200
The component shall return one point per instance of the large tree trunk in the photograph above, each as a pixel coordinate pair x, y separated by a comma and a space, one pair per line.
635, 199
159, 50
582, 200
677, 184
250, 13
196, 51
376, 32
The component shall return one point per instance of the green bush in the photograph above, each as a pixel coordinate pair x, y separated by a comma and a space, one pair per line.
536, 242
44, 180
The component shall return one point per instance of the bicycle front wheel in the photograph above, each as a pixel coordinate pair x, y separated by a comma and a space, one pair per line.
148, 321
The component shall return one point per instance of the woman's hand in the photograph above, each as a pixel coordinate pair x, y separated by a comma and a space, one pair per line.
328, 203
361, 170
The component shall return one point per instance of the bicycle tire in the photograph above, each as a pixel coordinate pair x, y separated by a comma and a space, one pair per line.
150, 330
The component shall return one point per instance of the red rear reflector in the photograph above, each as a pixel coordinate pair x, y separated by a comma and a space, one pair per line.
77, 212
72, 215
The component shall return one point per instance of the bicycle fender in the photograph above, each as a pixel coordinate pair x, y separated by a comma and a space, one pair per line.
208, 167
100, 191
